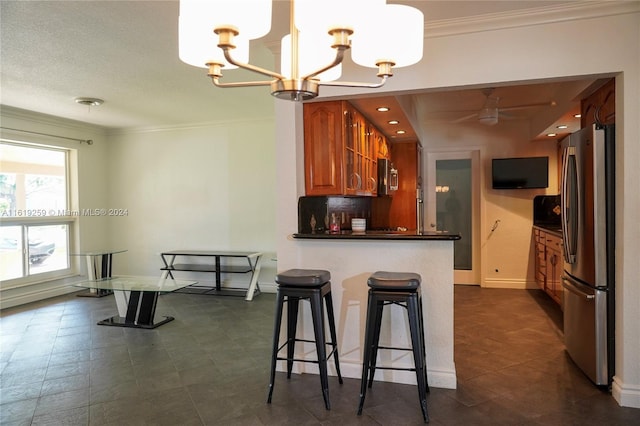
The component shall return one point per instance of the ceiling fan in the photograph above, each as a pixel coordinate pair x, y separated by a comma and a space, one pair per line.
490, 111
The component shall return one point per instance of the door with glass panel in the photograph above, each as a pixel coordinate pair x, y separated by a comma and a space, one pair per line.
452, 204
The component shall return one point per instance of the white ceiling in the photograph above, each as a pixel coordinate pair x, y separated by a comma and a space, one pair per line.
125, 52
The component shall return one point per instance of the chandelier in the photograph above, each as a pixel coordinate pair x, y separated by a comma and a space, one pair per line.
215, 34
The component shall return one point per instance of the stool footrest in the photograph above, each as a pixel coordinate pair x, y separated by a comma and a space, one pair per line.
313, 361
394, 348
334, 348
396, 368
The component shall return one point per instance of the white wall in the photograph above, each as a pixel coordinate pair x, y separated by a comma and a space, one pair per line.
601, 40
206, 187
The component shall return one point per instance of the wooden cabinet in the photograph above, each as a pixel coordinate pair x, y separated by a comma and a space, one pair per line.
548, 263
323, 148
554, 267
382, 144
361, 155
403, 211
599, 107
540, 259
341, 150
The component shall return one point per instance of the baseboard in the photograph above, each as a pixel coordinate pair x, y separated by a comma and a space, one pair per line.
24, 295
268, 288
437, 378
510, 283
625, 394
28, 294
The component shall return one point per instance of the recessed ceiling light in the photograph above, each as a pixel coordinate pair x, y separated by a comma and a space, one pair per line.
382, 109
577, 115
89, 101
394, 122
562, 126
551, 135
400, 132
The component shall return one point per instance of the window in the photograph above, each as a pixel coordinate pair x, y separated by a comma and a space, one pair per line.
36, 227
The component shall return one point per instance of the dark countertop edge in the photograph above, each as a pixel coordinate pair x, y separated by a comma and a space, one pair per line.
552, 230
409, 236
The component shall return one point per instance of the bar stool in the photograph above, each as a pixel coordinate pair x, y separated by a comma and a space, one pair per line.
402, 289
295, 285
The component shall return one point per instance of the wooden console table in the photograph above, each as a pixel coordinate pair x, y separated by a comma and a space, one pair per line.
216, 266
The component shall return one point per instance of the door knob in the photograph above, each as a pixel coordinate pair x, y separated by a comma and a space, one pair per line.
433, 225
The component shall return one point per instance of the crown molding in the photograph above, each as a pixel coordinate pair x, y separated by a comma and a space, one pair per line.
519, 18
528, 17
35, 117
120, 131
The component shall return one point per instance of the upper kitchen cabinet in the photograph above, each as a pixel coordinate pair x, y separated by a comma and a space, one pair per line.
600, 106
341, 149
382, 144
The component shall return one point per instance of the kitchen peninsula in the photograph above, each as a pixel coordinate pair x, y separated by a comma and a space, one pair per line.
352, 258
342, 151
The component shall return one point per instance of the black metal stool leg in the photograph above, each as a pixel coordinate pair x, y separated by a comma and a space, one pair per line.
418, 354
423, 340
293, 304
379, 307
276, 343
366, 354
332, 330
317, 314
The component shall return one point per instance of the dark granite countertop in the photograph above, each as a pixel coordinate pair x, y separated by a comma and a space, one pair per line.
381, 235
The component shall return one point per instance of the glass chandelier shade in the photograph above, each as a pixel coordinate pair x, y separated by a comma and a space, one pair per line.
314, 52
215, 34
393, 33
312, 15
247, 16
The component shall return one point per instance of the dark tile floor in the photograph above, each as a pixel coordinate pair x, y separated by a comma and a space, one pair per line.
210, 367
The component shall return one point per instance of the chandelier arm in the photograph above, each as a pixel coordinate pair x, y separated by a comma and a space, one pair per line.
216, 81
355, 84
227, 56
336, 61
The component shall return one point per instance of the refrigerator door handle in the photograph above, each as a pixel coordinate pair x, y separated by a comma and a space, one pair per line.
419, 212
569, 286
568, 203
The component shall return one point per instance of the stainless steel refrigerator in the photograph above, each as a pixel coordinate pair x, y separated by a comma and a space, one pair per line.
588, 231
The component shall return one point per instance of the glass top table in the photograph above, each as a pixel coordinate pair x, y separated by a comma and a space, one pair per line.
134, 283
136, 298
99, 265
100, 252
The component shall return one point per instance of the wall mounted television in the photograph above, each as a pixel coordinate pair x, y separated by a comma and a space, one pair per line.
520, 173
